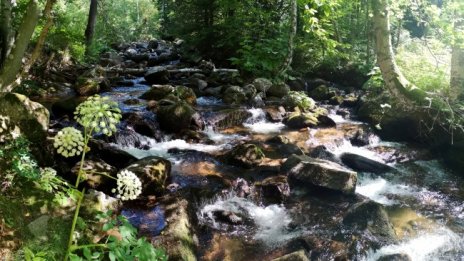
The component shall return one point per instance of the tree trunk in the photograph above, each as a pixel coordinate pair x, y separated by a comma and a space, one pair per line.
12, 65
291, 38
457, 72
5, 30
400, 88
92, 19
47, 15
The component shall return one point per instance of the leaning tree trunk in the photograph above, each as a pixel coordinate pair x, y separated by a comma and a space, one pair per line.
47, 15
5, 29
291, 39
457, 73
400, 88
13, 62
89, 31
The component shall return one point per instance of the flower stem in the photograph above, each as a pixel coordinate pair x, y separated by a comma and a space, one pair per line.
73, 226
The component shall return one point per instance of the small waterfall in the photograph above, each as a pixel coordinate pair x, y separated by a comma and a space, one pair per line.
258, 122
271, 222
429, 246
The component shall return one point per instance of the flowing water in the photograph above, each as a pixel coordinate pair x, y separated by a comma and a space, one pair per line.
424, 201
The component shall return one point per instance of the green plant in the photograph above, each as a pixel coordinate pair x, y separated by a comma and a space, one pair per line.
100, 115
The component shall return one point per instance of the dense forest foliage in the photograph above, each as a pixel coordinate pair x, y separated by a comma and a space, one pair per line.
397, 65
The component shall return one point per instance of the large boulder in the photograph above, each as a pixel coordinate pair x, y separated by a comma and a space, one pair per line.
245, 155
298, 120
110, 154
229, 118
298, 100
30, 117
320, 93
157, 75
361, 163
273, 190
92, 177
153, 172
186, 94
278, 90
178, 236
262, 84
234, 95
158, 92
177, 116
370, 217
92, 82
320, 173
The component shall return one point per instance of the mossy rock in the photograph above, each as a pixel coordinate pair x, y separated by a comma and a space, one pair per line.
158, 92
320, 93
278, 90
186, 94
245, 155
298, 100
175, 116
234, 95
153, 172
32, 118
299, 120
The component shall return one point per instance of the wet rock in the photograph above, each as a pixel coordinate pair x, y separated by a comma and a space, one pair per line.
241, 188
92, 82
30, 117
142, 123
250, 91
295, 256
216, 91
321, 152
110, 154
350, 101
344, 113
326, 121
286, 150
132, 102
257, 101
178, 236
186, 94
198, 83
336, 100
278, 90
360, 163
320, 93
298, 120
274, 190
158, 92
321, 173
275, 114
262, 84
129, 138
298, 85
153, 172
298, 100
370, 217
360, 138
245, 155
64, 107
234, 95
93, 179
228, 217
110, 59
229, 118
395, 257
157, 75
279, 139
177, 116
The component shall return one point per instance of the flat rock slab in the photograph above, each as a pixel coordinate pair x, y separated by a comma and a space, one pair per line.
361, 163
321, 173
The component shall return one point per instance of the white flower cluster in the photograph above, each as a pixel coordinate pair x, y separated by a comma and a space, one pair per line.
99, 113
69, 142
129, 186
5, 128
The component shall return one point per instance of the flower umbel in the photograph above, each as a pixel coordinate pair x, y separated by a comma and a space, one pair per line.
129, 186
99, 113
69, 142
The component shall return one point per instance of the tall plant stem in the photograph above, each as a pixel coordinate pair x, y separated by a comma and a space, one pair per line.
73, 226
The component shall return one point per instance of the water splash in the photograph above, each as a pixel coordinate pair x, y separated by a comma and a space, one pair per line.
271, 222
221, 138
429, 246
208, 101
259, 124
